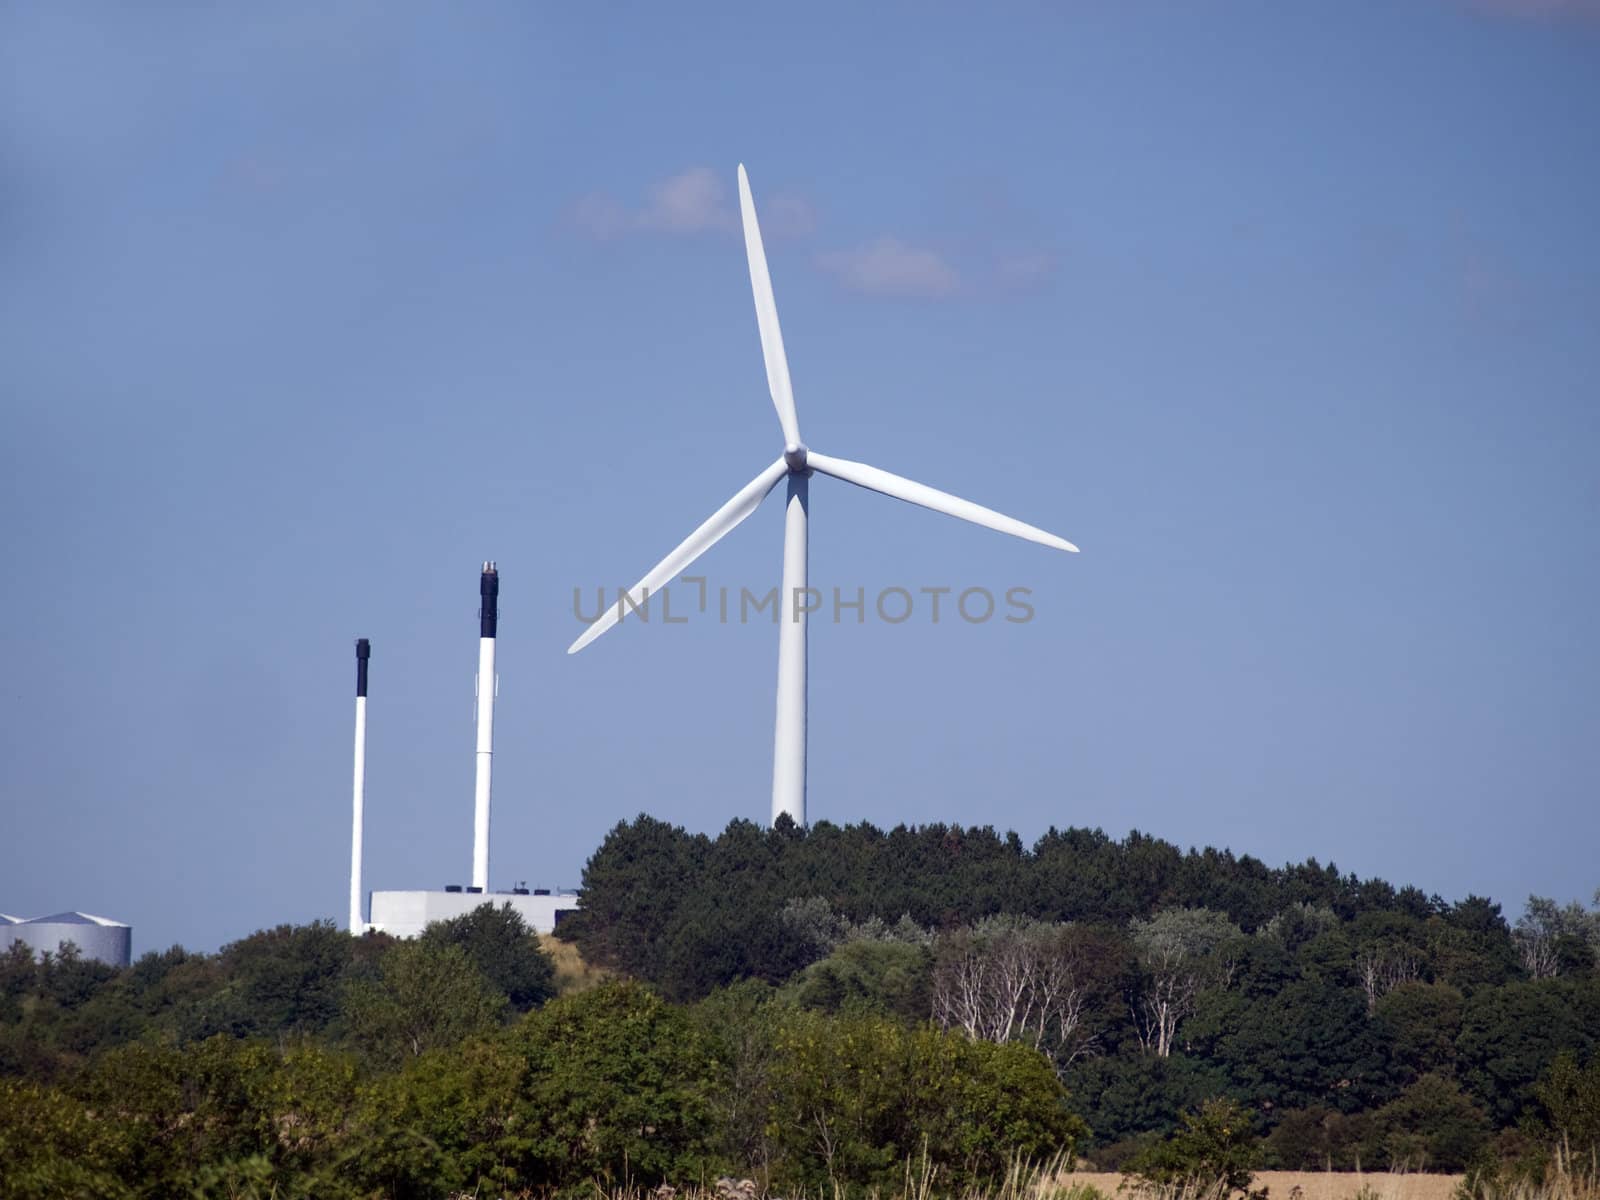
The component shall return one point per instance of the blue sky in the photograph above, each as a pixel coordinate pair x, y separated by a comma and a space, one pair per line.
1286, 315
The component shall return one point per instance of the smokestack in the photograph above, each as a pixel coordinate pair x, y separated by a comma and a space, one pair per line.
359, 786
488, 685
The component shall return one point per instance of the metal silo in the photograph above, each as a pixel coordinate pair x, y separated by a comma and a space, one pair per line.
98, 938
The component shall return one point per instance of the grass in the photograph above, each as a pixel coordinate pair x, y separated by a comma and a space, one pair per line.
1314, 1185
1568, 1178
572, 973
1029, 1182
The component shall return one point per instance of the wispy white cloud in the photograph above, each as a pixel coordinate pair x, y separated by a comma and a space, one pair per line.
702, 200
692, 201
695, 200
890, 267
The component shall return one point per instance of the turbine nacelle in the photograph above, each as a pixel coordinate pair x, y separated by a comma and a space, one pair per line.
794, 454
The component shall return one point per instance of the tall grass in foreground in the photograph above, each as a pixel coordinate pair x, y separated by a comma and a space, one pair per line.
1564, 1180
1568, 1177
1023, 1180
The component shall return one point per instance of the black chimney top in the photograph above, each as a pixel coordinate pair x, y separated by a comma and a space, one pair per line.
363, 652
489, 594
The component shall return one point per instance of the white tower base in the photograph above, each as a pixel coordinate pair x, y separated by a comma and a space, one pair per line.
357, 925
488, 684
789, 735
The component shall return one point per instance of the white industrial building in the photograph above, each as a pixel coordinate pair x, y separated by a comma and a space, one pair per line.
406, 914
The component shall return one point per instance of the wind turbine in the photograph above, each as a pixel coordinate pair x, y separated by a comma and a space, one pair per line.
796, 465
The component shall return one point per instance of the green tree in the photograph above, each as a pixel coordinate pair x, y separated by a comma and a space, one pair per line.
1433, 1125
17, 978
1320, 1139
425, 996
886, 977
1419, 1024
178, 992
1470, 946
68, 979
737, 1024
1183, 951
1215, 1154
499, 943
1508, 1036
855, 1097
1304, 1045
839, 1091
193, 1117
618, 1087
1554, 940
450, 1122
54, 1148
1298, 924
178, 1107
1126, 1095
300, 1102
284, 980
632, 887
975, 1107
1571, 1097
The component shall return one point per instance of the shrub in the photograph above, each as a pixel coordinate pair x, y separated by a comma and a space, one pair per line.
499, 943
1571, 1097
1215, 1154
52, 1146
855, 1097
618, 1087
1434, 1125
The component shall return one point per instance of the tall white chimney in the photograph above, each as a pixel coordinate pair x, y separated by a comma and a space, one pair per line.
359, 786
488, 686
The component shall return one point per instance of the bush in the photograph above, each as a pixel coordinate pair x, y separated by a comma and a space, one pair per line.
452, 1121
856, 1097
1571, 1098
52, 1146
1320, 1139
885, 977
1434, 1126
618, 1087
1215, 1154
499, 943
427, 995
1126, 1096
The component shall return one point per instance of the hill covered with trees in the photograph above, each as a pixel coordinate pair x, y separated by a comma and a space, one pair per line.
818, 1009
1359, 1021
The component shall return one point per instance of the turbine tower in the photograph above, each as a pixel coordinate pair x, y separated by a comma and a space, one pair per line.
796, 465
359, 786
488, 684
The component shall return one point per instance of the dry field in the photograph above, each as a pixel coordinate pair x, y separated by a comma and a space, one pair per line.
1315, 1185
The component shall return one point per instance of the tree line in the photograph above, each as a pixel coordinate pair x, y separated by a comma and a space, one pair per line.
819, 1009
1359, 1023
302, 1062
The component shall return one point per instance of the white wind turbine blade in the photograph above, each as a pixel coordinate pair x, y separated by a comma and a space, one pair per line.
767, 317
711, 531
920, 493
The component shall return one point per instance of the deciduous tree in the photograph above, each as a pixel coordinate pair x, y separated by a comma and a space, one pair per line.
426, 996
1182, 952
